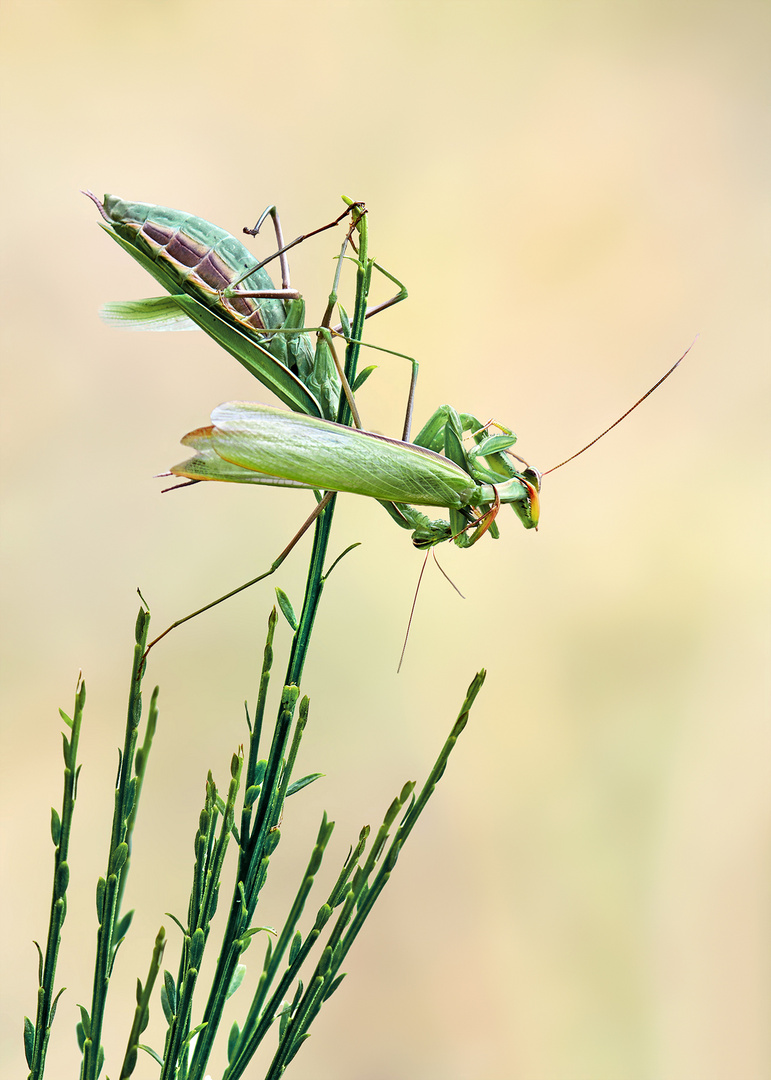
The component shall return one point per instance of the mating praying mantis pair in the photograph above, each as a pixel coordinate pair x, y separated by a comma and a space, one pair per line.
319, 445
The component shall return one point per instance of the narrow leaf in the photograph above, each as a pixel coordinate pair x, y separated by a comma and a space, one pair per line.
29, 1040
119, 857
298, 785
56, 827
297, 1046
85, 1021
362, 377
171, 990
123, 925
286, 607
251, 796
334, 985
149, 1050
233, 1038
235, 982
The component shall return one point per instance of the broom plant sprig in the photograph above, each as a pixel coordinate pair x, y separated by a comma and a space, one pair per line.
315, 383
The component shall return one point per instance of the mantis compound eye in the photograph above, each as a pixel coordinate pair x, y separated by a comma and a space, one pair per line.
533, 477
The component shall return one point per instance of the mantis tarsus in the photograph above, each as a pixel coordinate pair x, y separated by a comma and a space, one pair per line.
306, 448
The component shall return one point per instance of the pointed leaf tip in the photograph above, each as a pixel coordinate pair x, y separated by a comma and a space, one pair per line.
286, 608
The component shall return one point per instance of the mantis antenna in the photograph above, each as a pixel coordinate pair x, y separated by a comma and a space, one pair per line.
624, 416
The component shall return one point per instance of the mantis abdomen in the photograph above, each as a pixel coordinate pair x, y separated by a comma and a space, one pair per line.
202, 258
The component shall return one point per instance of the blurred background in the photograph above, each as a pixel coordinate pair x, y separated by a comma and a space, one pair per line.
571, 192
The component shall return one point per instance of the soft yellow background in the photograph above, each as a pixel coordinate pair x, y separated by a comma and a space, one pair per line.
571, 191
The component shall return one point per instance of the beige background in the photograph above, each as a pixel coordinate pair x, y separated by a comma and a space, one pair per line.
571, 191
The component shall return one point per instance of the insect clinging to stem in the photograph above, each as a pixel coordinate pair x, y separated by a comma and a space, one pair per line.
214, 282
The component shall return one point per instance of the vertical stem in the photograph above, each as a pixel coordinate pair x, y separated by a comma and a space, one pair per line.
315, 583
269, 810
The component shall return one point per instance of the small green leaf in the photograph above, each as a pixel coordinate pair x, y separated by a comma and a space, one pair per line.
62, 879
29, 1040
297, 1046
171, 990
123, 926
167, 1012
39, 963
149, 1050
362, 377
233, 1038
131, 791
197, 944
344, 320
194, 1034
326, 959
56, 827
284, 1016
235, 982
340, 557
80, 1035
85, 1021
251, 796
176, 920
246, 938
294, 948
286, 607
168, 997
65, 718
101, 885
334, 985
54, 1005
298, 785
119, 857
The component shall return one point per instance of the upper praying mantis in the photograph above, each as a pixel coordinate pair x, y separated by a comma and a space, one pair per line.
216, 284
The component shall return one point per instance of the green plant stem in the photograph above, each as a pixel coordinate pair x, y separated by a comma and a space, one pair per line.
109, 888
61, 830
142, 1011
257, 850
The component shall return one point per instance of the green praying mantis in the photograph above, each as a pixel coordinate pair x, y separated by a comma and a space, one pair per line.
215, 283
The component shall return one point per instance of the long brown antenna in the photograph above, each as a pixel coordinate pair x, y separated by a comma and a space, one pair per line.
628, 411
412, 611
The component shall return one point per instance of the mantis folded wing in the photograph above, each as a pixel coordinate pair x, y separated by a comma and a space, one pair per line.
258, 444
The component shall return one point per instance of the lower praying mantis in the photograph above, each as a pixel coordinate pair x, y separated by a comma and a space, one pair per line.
250, 443
306, 449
